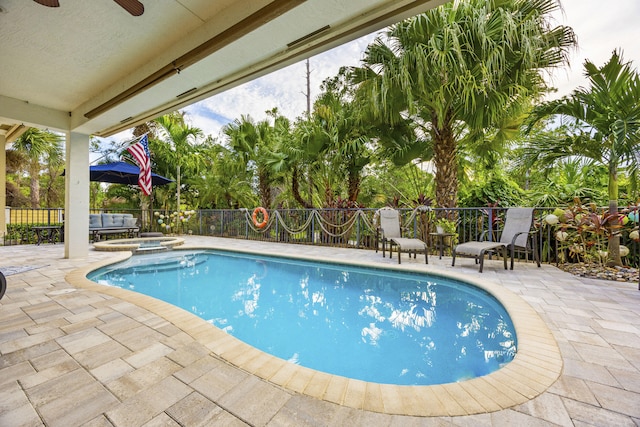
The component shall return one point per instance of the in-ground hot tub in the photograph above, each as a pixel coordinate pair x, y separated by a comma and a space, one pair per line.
139, 245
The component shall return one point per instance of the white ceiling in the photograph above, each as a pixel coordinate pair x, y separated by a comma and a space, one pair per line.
88, 66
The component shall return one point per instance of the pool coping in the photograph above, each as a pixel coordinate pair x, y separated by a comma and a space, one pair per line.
536, 366
133, 244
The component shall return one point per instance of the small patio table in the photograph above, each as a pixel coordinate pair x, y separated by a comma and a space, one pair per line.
49, 233
440, 241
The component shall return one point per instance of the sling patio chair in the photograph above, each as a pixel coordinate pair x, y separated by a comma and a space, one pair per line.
389, 231
515, 236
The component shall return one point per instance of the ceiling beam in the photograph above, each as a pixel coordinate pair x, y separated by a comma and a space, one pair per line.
304, 47
12, 132
18, 111
254, 21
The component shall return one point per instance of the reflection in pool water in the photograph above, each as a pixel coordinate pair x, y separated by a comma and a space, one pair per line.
374, 325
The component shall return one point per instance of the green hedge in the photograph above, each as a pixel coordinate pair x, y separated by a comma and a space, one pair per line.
22, 234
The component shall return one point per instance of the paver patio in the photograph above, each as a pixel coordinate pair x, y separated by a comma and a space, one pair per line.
71, 355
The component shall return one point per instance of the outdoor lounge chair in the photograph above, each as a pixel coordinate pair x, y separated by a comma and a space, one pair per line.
514, 237
3, 284
389, 231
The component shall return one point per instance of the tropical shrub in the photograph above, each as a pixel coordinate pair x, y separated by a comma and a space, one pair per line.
582, 232
498, 188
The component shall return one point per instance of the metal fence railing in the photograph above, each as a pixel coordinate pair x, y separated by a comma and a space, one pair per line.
328, 227
22, 222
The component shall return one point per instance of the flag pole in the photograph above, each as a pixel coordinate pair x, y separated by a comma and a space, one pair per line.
130, 142
151, 206
142, 156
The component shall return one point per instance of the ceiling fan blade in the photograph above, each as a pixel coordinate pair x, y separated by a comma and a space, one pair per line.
49, 3
134, 7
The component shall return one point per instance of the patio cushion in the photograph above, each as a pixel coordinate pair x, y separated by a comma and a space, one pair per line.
477, 248
95, 220
118, 220
130, 222
409, 244
111, 220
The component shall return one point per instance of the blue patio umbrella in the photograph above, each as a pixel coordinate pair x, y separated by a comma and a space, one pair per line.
122, 173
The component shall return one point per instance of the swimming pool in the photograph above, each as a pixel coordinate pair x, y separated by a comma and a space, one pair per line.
369, 324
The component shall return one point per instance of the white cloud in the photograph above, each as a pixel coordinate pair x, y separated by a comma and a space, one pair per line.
284, 89
600, 26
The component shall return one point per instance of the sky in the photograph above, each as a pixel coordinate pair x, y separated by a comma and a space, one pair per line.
284, 89
600, 25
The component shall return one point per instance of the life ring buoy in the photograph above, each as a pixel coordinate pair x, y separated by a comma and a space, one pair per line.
265, 217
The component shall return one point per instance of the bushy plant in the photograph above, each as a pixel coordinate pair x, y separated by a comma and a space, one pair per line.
447, 225
496, 189
582, 232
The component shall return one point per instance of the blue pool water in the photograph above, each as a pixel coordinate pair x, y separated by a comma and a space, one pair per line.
369, 324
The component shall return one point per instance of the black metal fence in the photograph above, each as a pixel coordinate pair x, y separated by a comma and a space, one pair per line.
328, 227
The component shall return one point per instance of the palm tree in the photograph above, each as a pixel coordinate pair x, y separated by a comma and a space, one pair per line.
345, 131
295, 155
37, 146
225, 182
460, 71
178, 138
54, 163
607, 119
562, 182
298, 152
332, 145
253, 141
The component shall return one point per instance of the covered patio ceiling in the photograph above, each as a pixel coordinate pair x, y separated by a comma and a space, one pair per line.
92, 68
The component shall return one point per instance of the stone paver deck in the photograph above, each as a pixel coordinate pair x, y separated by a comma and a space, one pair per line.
72, 353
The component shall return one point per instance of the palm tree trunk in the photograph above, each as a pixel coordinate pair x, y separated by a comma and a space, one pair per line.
264, 187
310, 187
328, 193
178, 188
614, 258
34, 186
295, 189
444, 158
145, 217
353, 186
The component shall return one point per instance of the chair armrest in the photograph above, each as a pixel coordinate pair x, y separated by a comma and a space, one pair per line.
530, 233
380, 233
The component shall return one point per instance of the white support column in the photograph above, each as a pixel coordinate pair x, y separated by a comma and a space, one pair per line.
3, 185
76, 200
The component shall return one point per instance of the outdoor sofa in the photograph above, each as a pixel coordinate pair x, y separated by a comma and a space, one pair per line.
112, 223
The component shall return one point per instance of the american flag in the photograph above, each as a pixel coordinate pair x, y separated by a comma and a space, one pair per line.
142, 156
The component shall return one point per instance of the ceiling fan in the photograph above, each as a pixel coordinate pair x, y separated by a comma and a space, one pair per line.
134, 7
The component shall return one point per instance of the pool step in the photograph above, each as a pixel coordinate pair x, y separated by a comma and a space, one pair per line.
151, 249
